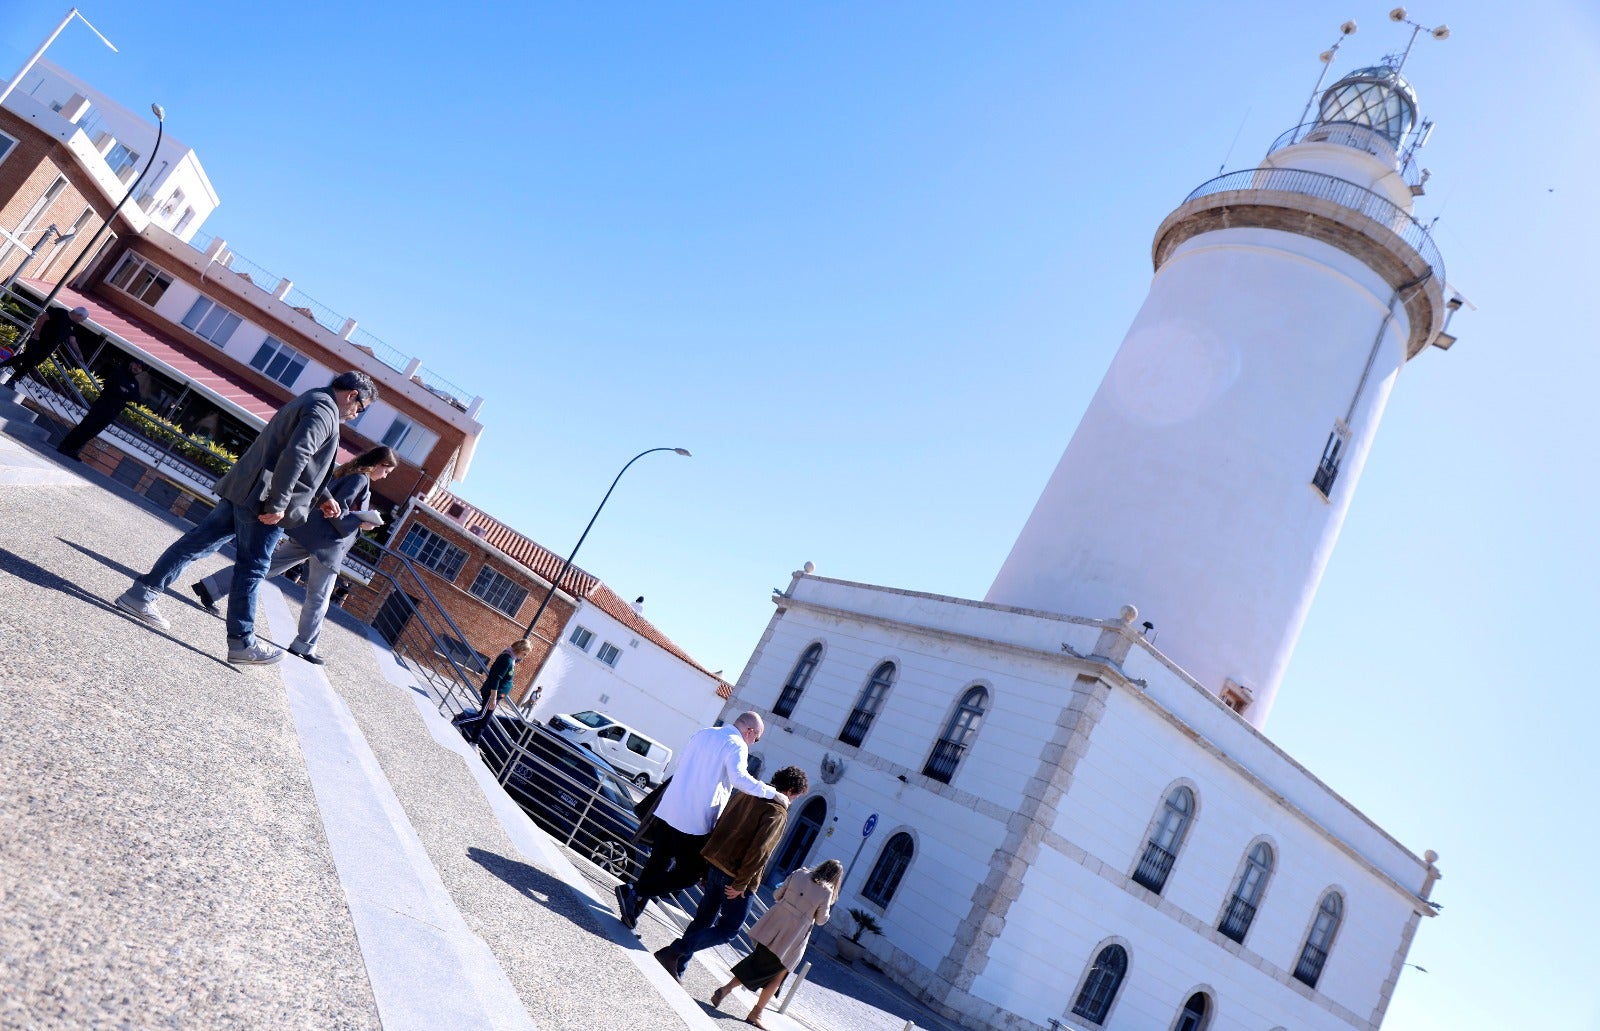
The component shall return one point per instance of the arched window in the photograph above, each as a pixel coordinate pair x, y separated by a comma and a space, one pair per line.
887, 871
958, 735
803, 831
1320, 940
1165, 838
867, 706
1194, 1013
798, 679
1247, 892
1100, 987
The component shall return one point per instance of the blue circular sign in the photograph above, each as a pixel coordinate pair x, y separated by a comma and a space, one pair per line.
866, 828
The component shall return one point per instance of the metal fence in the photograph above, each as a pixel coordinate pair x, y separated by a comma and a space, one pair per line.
1340, 191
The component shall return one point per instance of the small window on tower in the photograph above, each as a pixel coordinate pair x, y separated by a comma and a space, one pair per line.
1236, 696
1332, 455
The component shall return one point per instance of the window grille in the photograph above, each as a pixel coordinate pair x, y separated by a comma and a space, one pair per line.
958, 735
1247, 893
798, 678
1320, 940
884, 880
868, 705
1161, 851
1100, 987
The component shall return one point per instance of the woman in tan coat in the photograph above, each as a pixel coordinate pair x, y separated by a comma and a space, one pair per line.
805, 901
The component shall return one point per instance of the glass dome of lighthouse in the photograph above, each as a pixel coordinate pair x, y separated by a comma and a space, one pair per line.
1378, 98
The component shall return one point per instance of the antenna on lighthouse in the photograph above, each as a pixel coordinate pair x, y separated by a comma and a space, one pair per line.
1439, 32
1326, 57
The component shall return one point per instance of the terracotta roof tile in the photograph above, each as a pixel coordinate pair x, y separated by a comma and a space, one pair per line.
547, 564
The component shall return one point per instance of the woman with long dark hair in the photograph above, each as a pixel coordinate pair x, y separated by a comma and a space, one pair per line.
321, 541
804, 901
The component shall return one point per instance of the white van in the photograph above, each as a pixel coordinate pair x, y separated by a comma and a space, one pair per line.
642, 758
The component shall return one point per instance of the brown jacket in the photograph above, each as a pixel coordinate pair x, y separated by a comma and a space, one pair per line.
745, 837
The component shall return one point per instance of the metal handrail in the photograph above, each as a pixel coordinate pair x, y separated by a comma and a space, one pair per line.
1340, 191
1357, 136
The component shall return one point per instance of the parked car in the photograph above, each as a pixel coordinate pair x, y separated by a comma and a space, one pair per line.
642, 758
568, 790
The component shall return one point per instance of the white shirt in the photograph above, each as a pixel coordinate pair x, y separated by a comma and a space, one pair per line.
709, 767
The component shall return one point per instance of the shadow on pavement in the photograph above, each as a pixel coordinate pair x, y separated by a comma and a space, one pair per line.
110, 563
37, 575
529, 880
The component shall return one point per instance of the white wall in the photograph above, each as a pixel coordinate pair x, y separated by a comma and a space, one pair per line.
1077, 893
650, 689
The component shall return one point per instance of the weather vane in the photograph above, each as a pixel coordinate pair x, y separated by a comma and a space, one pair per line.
1439, 32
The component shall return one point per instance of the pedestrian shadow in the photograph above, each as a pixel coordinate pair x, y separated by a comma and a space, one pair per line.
109, 563
546, 890
37, 575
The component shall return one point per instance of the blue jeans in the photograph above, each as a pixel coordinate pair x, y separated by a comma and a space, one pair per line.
717, 919
253, 542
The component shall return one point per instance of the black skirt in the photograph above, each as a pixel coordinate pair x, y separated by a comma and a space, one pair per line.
756, 969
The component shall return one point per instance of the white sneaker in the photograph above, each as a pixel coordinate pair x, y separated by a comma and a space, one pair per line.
257, 654
144, 611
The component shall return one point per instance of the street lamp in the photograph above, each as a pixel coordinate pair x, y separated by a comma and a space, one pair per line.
33, 252
556, 583
34, 57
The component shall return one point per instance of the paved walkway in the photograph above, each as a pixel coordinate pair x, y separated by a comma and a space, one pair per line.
188, 843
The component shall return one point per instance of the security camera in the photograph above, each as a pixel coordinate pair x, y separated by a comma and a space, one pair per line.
1442, 32
1398, 14
1348, 28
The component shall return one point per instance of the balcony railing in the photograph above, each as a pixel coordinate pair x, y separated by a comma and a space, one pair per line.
1351, 134
1154, 867
855, 729
1236, 921
1309, 969
941, 765
1340, 191
334, 322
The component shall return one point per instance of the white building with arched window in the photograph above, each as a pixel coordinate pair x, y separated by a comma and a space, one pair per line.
1057, 824
1066, 826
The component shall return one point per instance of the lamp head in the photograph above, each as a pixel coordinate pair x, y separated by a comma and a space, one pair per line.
161, 115
1442, 32
1348, 28
1398, 14
682, 451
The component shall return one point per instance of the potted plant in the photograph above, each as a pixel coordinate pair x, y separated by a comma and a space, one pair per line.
850, 949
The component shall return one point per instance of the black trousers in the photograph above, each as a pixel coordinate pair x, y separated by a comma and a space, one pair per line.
97, 419
674, 863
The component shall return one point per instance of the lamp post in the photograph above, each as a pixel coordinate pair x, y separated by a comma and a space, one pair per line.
33, 252
161, 125
34, 57
555, 584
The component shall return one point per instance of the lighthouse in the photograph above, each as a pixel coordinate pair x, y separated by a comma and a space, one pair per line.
1208, 480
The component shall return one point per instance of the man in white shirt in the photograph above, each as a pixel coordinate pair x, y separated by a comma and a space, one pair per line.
710, 767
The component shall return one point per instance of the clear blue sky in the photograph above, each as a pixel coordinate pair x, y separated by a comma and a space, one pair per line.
869, 262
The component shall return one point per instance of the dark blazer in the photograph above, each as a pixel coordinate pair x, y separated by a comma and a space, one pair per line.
285, 469
329, 539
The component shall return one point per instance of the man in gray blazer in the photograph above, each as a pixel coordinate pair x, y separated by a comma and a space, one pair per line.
270, 489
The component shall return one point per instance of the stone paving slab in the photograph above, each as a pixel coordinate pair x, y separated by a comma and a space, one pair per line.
162, 860
166, 819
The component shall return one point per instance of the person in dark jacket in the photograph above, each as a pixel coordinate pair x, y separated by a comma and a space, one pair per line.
321, 543
270, 489
121, 388
51, 331
496, 685
736, 854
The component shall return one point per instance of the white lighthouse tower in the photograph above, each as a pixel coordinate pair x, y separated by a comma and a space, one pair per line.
1210, 476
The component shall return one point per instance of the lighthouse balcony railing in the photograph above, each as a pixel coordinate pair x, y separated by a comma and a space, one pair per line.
1356, 136
1340, 191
